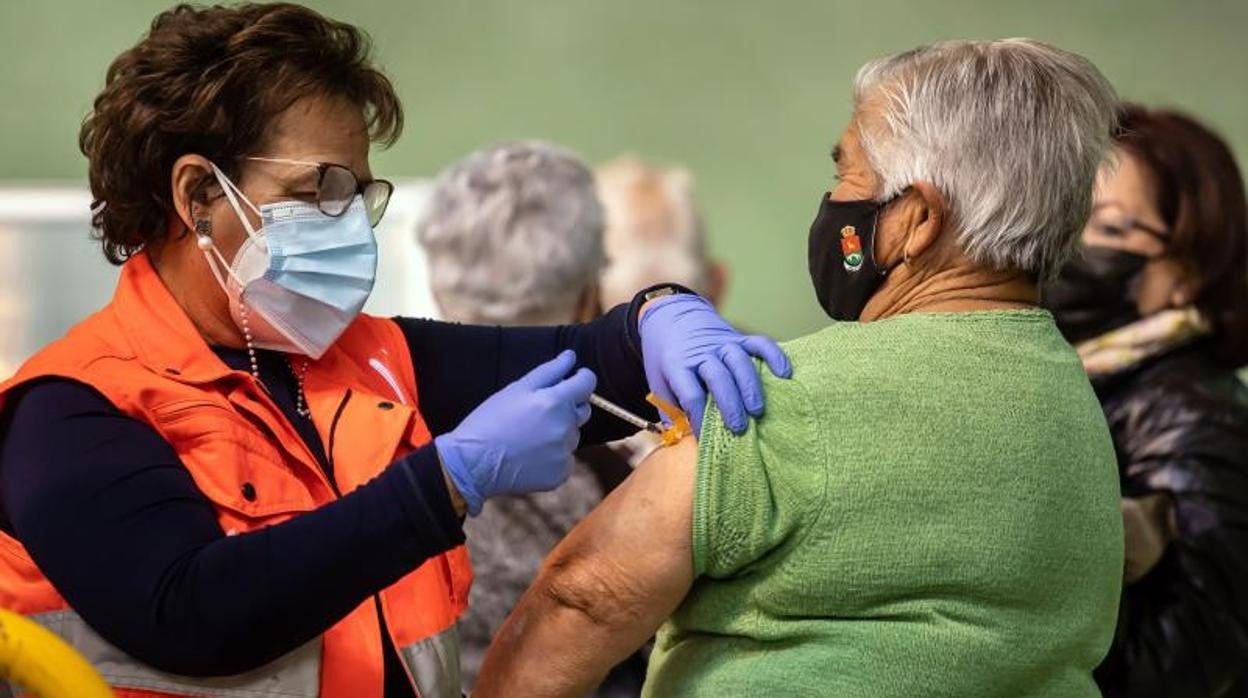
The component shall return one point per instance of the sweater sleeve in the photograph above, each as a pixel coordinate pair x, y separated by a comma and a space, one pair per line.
459, 366
116, 523
746, 503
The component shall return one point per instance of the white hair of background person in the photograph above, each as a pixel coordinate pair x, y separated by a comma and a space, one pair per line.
654, 232
1011, 131
513, 235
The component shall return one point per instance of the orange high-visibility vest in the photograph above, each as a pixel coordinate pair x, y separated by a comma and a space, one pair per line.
144, 355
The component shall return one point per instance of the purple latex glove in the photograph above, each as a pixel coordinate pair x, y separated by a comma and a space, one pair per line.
522, 437
687, 348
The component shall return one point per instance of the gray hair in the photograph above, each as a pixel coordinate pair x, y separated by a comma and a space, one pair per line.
654, 233
513, 235
1012, 132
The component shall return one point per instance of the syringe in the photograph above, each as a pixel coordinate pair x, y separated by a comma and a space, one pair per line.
610, 407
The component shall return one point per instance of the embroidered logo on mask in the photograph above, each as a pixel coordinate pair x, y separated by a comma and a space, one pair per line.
851, 248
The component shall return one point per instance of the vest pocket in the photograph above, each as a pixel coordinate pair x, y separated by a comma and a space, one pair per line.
232, 461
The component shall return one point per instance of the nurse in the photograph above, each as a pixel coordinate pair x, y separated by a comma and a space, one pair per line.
229, 481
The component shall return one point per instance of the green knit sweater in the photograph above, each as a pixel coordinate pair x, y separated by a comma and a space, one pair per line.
928, 508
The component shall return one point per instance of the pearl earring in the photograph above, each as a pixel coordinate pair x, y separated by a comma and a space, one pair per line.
203, 234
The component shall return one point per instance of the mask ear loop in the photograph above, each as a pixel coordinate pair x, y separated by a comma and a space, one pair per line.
204, 236
905, 254
209, 248
875, 236
203, 240
233, 194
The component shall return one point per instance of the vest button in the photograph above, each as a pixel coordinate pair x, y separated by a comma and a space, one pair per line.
385, 405
249, 492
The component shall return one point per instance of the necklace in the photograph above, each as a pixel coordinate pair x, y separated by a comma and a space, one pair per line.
301, 402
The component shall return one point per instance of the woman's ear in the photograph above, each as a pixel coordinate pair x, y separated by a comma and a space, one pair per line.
1186, 289
190, 179
927, 219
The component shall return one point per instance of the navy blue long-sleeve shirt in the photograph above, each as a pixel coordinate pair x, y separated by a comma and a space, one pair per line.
89, 490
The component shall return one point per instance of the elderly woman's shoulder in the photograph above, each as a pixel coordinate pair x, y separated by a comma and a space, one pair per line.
850, 342
841, 347
820, 340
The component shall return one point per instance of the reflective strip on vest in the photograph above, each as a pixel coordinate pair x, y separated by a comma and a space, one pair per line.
434, 662
294, 675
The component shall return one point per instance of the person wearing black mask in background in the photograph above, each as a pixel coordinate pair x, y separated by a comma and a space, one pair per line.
1157, 307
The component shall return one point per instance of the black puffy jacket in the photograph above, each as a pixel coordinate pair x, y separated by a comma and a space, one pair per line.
1180, 426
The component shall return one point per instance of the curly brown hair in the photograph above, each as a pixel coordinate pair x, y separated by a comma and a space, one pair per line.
1200, 194
210, 81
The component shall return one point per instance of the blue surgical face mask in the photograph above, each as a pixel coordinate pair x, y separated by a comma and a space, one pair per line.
302, 278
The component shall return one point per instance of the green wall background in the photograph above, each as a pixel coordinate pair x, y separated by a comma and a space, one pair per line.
748, 95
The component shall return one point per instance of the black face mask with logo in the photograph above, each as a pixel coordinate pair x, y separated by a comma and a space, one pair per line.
841, 255
1095, 292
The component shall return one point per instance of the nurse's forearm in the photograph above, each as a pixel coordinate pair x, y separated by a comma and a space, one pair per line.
459, 366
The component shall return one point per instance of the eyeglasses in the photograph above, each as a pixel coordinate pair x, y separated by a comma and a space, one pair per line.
336, 187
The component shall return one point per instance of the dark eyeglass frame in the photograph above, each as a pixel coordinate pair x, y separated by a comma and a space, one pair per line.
376, 193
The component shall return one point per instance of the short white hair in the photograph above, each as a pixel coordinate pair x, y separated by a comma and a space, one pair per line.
1012, 132
513, 235
654, 232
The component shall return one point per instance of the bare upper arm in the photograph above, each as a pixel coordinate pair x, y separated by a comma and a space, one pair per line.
605, 589
630, 561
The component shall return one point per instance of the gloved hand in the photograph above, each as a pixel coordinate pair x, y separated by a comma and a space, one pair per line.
522, 437
685, 343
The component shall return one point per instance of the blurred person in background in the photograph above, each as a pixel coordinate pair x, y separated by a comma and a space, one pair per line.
228, 480
930, 505
513, 236
654, 232
1157, 307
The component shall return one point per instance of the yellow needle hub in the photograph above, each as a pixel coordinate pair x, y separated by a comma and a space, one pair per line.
679, 428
